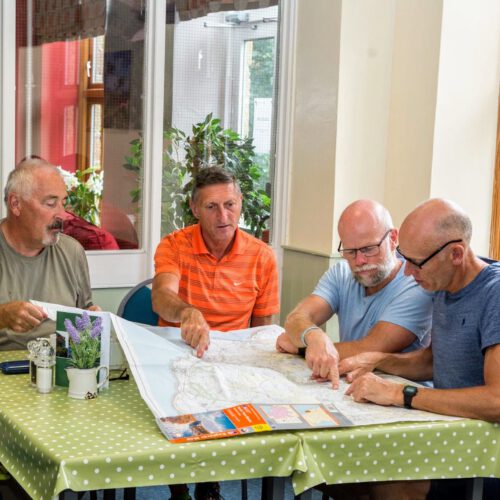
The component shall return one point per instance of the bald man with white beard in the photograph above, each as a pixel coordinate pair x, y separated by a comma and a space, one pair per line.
378, 307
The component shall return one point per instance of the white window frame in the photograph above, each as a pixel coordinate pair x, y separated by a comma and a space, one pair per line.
284, 127
125, 268
108, 269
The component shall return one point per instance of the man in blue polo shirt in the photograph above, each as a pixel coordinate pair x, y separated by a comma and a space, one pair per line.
378, 307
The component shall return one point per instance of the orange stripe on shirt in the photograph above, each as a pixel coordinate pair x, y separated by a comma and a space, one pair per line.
227, 292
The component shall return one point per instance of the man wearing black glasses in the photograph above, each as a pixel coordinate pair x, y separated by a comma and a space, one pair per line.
377, 306
464, 359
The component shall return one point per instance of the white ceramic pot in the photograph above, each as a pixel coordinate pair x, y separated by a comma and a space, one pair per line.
83, 382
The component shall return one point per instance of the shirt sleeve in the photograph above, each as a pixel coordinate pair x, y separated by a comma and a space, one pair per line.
411, 308
267, 301
489, 324
84, 290
330, 284
167, 257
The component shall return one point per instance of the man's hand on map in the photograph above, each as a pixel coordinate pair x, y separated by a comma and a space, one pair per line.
322, 357
355, 366
195, 330
369, 388
284, 344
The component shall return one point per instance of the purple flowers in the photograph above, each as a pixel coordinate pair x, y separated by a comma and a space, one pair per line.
96, 330
73, 332
83, 322
84, 340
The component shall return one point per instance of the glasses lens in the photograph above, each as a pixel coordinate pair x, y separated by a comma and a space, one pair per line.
370, 251
348, 254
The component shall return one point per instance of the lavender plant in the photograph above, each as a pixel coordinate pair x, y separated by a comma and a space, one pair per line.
84, 340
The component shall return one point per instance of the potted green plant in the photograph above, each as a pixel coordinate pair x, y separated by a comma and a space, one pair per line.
184, 155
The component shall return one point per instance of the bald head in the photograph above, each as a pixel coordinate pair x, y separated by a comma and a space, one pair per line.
366, 215
436, 221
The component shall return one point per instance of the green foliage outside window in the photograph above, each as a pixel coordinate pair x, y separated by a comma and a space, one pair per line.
185, 155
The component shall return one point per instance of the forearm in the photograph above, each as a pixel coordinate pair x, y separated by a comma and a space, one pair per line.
3, 316
295, 324
347, 349
261, 320
415, 365
481, 402
168, 305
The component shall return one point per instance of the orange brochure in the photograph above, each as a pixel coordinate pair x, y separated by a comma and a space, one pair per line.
249, 418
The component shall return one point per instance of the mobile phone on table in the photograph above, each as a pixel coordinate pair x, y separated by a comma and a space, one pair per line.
15, 367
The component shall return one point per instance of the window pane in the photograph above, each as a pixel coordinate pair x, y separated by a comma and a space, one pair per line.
220, 83
96, 136
79, 72
98, 60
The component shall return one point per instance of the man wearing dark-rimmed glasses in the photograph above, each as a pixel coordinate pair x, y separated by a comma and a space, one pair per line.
377, 306
464, 358
465, 349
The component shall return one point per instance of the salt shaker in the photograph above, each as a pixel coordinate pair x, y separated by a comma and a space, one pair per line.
33, 347
45, 362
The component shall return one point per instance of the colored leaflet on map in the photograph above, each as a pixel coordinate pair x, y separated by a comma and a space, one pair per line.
250, 418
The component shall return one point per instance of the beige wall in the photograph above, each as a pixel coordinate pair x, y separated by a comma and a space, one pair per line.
466, 112
417, 85
315, 119
366, 54
417, 35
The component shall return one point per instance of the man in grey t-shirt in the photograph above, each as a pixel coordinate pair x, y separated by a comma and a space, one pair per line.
36, 260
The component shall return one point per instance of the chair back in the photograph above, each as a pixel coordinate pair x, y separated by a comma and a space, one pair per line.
136, 305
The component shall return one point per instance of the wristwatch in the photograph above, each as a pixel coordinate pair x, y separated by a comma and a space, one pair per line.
409, 392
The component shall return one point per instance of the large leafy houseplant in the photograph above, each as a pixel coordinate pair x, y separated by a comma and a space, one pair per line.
184, 156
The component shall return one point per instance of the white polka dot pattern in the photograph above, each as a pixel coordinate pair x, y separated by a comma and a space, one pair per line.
50, 443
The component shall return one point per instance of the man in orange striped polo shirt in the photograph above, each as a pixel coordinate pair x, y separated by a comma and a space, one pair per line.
212, 275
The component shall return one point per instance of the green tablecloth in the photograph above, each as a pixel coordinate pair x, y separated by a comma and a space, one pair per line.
50, 443
403, 451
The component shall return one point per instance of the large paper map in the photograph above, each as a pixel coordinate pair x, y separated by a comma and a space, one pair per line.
239, 367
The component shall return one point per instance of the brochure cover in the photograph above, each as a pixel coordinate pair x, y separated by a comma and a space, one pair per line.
250, 418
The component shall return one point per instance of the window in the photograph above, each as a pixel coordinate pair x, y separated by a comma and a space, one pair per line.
221, 67
91, 97
144, 76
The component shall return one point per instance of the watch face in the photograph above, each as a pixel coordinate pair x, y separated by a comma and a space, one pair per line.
409, 392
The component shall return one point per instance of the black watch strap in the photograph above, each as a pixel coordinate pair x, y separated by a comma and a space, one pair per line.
409, 392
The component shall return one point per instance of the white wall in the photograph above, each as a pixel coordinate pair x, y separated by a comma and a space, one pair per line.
366, 54
395, 101
466, 111
417, 35
315, 124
